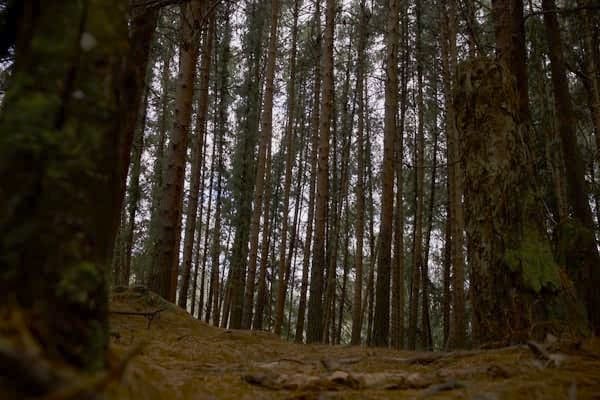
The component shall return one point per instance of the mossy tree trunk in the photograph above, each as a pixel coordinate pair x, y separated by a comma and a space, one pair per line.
511, 259
61, 180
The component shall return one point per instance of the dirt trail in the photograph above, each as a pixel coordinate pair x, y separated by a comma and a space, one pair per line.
185, 359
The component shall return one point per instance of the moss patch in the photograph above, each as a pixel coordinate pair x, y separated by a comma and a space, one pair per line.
534, 259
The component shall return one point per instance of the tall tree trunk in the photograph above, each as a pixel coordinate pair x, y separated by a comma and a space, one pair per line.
419, 177
425, 317
455, 182
60, 155
196, 173
381, 327
169, 233
266, 134
313, 143
289, 145
398, 295
244, 164
586, 275
261, 297
360, 184
315, 303
158, 166
513, 267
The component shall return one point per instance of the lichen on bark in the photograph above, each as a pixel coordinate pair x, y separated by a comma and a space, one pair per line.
516, 281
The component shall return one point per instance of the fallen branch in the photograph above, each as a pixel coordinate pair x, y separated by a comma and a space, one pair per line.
149, 315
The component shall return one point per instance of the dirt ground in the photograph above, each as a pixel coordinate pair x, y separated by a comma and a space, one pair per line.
182, 358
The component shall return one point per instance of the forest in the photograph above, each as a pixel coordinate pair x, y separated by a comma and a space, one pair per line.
386, 177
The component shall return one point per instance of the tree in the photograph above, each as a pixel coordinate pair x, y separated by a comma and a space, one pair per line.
169, 223
582, 257
197, 147
382, 307
315, 303
360, 184
61, 187
266, 132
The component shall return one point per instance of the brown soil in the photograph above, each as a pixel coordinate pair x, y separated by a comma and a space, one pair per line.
182, 358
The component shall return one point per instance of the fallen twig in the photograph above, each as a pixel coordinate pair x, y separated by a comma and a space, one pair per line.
149, 315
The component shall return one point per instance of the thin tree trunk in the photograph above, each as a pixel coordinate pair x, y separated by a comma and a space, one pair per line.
261, 298
289, 139
315, 304
360, 184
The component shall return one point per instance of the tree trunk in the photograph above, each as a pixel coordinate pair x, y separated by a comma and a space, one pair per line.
166, 256
315, 304
513, 267
196, 173
289, 140
381, 327
311, 190
360, 184
60, 155
583, 259
455, 183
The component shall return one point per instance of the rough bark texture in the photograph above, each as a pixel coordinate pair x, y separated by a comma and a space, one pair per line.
510, 254
60, 192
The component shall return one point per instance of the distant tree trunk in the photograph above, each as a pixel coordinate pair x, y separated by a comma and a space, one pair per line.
134, 190
419, 163
425, 318
60, 191
381, 327
346, 264
360, 184
446, 296
158, 166
591, 72
398, 296
289, 161
455, 182
586, 274
142, 25
244, 164
196, 172
266, 132
261, 297
315, 304
313, 143
167, 247
374, 243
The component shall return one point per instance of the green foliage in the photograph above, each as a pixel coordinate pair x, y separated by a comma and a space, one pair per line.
533, 258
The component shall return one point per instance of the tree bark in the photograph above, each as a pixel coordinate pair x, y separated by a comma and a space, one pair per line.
166, 255
315, 304
381, 327
60, 192
197, 147
587, 273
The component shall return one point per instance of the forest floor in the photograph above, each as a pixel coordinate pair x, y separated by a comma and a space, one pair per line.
181, 358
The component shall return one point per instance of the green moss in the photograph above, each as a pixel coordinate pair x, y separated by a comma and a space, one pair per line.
534, 259
80, 283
